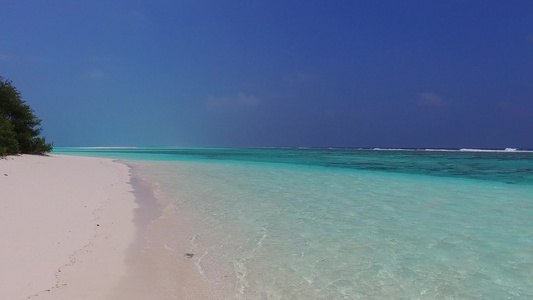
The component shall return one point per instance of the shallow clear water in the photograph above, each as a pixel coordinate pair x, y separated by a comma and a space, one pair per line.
347, 224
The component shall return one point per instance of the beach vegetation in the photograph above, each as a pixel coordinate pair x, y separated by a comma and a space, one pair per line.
19, 128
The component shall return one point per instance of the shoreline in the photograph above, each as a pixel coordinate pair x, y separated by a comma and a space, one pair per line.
67, 224
158, 271
75, 227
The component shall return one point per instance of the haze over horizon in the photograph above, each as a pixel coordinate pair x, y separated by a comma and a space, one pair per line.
402, 74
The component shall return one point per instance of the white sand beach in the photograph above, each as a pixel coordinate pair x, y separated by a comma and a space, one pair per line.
66, 224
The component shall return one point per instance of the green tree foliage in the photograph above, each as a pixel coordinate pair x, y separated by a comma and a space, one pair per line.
8, 138
19, 127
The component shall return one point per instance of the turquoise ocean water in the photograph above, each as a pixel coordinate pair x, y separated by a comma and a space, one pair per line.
343, 223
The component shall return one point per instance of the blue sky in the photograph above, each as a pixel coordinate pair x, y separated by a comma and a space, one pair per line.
274, 73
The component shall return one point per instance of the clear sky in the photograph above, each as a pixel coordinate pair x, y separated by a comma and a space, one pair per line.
275, 72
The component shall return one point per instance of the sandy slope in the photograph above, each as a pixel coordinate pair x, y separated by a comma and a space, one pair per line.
65, 226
